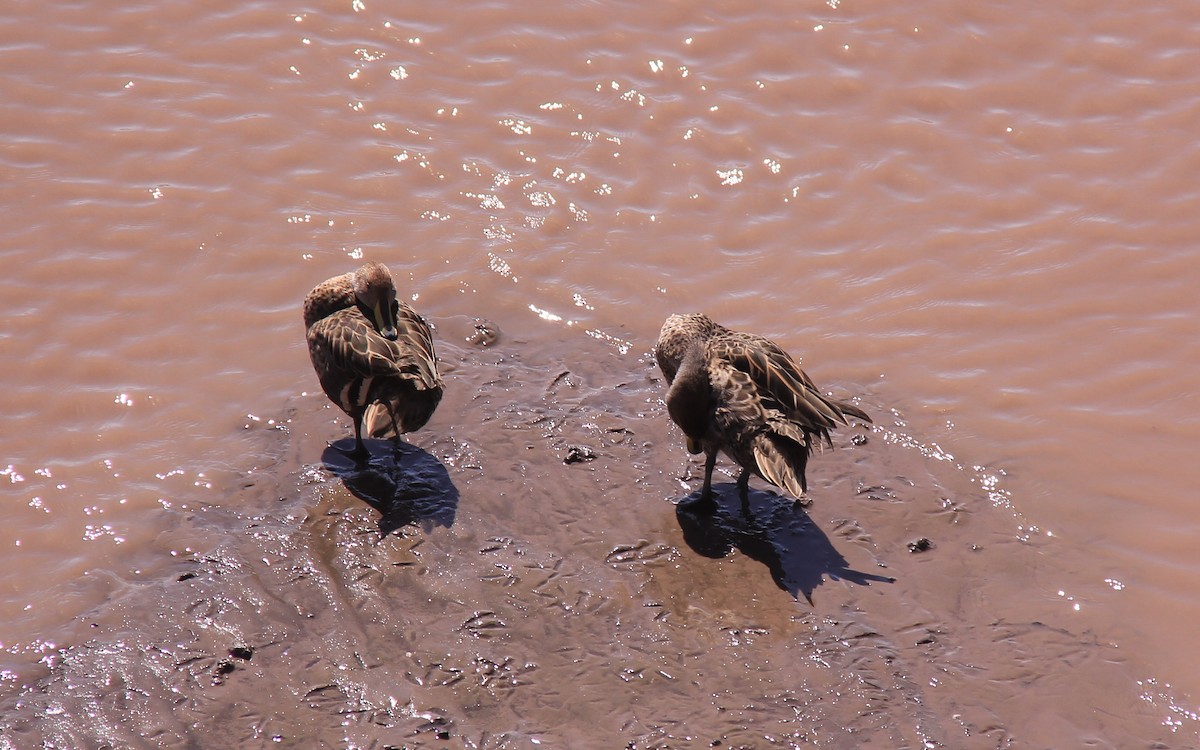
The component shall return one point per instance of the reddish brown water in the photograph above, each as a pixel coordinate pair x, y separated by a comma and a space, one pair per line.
981, 220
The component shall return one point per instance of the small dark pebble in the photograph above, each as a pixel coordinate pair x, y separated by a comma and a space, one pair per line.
920, 545
926, 640
187, 576
443, 735
225, 666
858, 440
241, 652
577, 454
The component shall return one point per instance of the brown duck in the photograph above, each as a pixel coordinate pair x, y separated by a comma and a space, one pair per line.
373, 354
742, 394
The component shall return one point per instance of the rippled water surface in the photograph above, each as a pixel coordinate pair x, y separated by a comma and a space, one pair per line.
978, 220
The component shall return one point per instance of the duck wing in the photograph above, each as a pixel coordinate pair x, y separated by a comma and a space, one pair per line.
779, 383
756, 433
346, 343
416, 357
327, 298
406, 402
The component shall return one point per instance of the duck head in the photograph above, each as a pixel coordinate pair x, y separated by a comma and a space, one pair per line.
375, 294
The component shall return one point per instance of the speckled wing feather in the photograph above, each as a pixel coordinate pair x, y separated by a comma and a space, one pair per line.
782, 461
405, 403
415, 341
328, 297
352, 347
778, 382
755, 433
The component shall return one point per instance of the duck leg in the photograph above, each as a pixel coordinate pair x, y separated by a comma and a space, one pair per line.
360, 451
709, 462
395, 425
743, 485
706, 500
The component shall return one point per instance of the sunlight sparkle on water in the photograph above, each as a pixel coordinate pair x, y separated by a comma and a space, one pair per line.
730, 176
621, 345
1152, 694
520, 127
545, 314
1071, 599
500, 266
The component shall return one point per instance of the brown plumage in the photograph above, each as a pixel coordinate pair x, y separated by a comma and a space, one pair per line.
742, 394
373, 354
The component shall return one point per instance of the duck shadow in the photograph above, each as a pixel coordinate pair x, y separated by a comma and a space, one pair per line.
407, 485
774, 531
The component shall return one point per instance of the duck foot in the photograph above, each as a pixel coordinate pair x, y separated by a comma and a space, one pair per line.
705, 503
358, 453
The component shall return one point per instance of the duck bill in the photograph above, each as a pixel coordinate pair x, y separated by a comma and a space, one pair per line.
693, 446
385, 323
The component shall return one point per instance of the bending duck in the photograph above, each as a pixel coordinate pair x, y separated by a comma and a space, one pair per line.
742, 394
373, 354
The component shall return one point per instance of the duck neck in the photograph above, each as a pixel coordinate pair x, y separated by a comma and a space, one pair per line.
689, 399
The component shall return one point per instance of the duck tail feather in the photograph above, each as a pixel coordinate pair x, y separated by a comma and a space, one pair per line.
782, 461
853, 411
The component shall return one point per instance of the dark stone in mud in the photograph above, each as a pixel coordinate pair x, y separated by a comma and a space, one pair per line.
920, 545
859, 439
241, 652
578, 454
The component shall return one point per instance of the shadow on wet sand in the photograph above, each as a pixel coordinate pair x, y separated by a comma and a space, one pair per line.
775, 531
407, 485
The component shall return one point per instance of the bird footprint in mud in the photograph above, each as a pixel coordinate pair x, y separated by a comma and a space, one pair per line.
502, 575
851, 530
438, 675
326, 697
640, 551
500, 675
484, 625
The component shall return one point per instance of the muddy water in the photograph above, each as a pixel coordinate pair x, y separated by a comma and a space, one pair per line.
979, 221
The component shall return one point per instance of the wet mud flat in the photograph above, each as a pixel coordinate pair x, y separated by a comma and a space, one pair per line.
528, 572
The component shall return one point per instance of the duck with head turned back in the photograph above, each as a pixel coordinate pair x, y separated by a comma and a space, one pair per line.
742, 394
373, 354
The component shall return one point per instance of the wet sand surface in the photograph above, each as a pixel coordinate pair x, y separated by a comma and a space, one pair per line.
978, 223
492, 589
